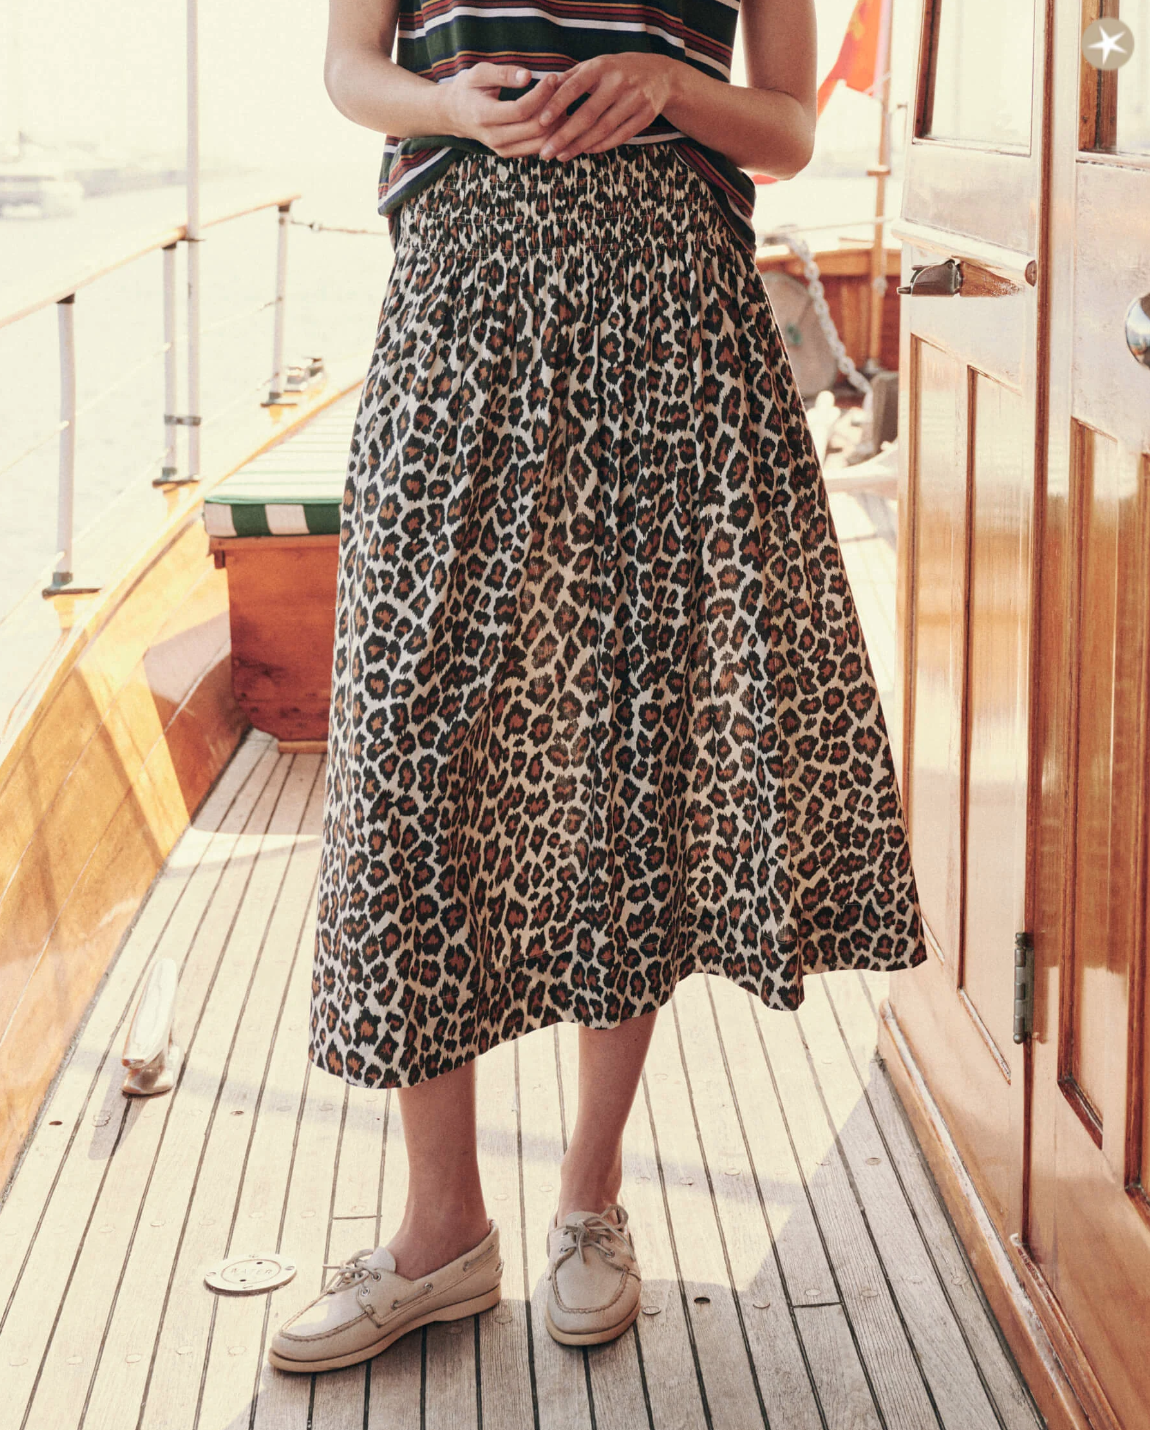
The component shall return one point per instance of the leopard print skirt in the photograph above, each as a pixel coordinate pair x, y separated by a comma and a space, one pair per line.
602, 713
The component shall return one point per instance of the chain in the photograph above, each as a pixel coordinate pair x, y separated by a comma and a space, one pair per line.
802, 250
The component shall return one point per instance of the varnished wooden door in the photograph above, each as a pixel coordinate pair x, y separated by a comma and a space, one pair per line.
970, 429
1088, 1231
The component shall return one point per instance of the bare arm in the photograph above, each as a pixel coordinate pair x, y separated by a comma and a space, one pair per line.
367, 86
768, 124
362, 80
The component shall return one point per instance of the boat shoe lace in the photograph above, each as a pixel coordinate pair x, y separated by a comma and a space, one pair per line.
351, 1271
597, 1232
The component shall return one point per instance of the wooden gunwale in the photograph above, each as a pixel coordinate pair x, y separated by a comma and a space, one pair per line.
119, 718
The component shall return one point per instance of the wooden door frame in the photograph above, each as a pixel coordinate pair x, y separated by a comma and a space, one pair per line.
1038, 1332
1004, 259
1028, 1315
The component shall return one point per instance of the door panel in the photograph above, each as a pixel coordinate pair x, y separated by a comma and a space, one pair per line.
1097, 923
934, 775
965, 576
1001, 499
1088, 1229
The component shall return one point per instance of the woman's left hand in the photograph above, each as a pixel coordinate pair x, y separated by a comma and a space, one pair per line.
624, 94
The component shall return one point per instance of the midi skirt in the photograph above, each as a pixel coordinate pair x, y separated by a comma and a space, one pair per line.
602, 713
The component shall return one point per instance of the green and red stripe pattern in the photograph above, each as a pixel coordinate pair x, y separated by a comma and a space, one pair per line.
440, 38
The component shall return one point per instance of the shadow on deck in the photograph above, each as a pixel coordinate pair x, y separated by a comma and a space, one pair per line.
799, 1268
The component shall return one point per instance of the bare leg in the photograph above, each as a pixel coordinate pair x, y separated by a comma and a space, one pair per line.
445, 1214
610, 1065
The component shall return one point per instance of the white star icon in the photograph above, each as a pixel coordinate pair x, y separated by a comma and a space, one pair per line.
1107, 43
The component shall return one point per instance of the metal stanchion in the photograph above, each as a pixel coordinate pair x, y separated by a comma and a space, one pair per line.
169, 472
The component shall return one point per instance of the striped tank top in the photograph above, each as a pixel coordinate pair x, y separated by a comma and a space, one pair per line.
439, 38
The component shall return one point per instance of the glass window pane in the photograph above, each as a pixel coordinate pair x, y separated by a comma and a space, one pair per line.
1134, 82
984, 69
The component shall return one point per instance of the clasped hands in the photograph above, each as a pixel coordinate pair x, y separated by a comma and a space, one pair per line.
624, 94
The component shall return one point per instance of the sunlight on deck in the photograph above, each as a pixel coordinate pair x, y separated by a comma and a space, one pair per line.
799, 1268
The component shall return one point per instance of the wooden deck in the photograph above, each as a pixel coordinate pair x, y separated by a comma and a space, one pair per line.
799, 1268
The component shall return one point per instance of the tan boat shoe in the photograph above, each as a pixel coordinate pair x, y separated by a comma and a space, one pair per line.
593, 1297
367, 1305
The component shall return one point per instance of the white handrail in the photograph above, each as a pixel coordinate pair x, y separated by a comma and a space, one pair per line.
64, 297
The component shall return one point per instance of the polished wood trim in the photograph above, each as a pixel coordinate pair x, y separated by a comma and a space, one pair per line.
1010, 262
1039, 1347
281, 601
1098, 89
1070, 1353
108, 749
219, 546
842, 262
926, 69
121, 756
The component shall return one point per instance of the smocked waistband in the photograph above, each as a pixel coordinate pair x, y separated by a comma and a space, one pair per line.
635, 195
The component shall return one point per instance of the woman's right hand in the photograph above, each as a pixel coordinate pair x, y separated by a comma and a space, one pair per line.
508, 126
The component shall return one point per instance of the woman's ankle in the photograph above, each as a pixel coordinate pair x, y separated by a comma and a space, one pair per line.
584, 1187
431, 1235
418, 1251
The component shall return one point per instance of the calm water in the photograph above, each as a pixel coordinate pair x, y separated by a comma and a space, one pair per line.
335, 286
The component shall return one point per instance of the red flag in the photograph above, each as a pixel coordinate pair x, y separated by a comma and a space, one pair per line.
862, 59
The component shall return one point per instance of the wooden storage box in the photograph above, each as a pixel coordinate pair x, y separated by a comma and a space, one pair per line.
274, 528
281, 602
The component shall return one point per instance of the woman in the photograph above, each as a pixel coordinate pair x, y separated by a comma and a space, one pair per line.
602, 715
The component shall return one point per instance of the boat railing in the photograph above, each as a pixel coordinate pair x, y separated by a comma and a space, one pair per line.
279, 383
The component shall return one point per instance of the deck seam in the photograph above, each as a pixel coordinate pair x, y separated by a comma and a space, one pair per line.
718, 1218
523, 1242
779, 1267
816, 1221
138, 1105
973, 1279
704, 1401
563, 1136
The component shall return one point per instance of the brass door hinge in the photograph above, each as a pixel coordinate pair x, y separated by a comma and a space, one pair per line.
1023, 987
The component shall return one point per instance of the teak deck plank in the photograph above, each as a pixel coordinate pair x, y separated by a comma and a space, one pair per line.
231, 1211
504, 1340
948, 1368
77, 1204
893, 1372
768, 1168
92, 1062
618, 1383
766, 1317
395, 1380
560, 1380
183, 1214
853, 1013
728, 1379
340, 1397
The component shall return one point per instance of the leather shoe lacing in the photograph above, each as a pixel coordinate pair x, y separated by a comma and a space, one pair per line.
350, 1271
594, 1231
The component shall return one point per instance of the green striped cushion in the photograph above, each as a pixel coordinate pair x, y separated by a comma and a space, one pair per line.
279, 496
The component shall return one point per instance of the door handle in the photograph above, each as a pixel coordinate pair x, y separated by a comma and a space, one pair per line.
1138, 329
934, 280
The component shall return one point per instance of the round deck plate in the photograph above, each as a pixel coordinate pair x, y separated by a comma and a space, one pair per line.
255, 1271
